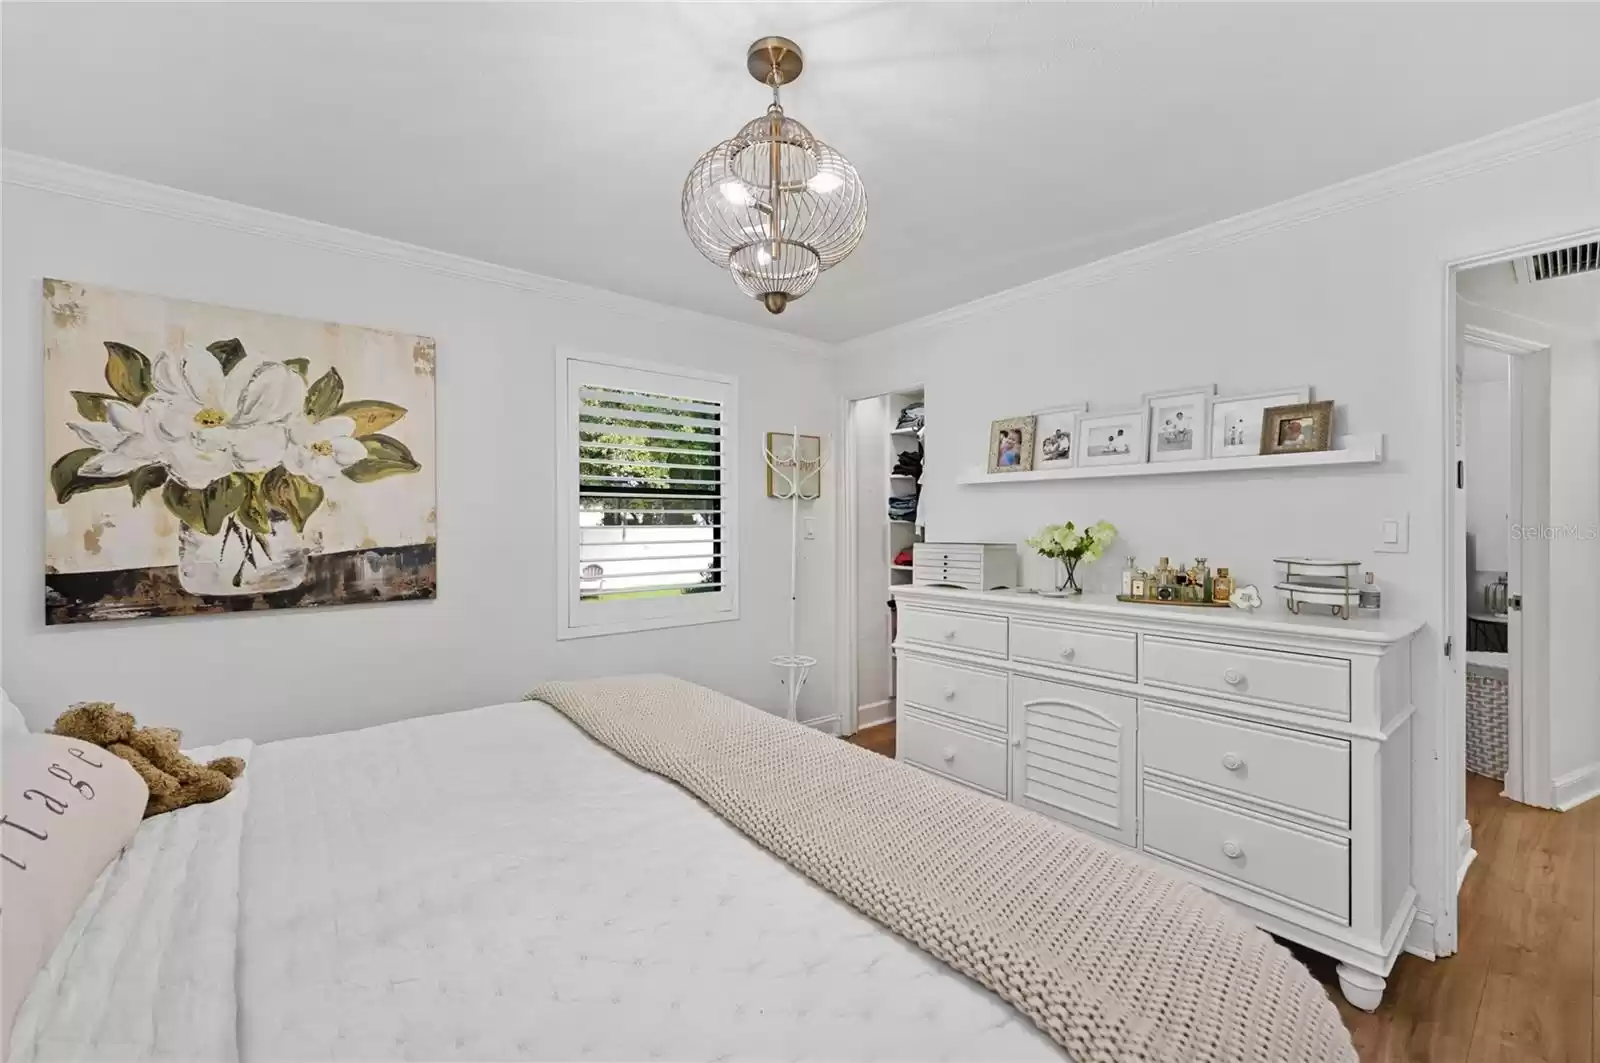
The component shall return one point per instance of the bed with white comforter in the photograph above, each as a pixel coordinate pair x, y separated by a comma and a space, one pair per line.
489, 884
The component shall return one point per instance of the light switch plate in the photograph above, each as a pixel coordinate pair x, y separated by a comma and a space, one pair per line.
1394, 535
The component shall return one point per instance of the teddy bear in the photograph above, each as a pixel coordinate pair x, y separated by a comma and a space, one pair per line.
174, 780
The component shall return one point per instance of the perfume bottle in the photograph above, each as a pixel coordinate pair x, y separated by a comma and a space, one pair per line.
1371, 600
1201, 578
1163, 572
1141, 584
1222, 586
1127, 578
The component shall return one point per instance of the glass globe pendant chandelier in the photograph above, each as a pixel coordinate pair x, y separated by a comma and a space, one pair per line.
774, 205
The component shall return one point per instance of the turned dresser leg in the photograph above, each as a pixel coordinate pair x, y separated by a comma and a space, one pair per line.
1362, 989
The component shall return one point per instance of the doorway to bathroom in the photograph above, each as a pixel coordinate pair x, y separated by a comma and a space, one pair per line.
1525, 520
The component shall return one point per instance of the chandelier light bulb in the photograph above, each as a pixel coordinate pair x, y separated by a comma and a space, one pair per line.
773, 205
823, 183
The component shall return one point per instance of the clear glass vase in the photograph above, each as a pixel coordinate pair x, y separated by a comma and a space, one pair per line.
238, 561
1069, 577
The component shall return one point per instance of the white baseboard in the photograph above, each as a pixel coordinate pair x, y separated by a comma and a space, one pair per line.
875, 713
1576, 787
827, 724
1420, 939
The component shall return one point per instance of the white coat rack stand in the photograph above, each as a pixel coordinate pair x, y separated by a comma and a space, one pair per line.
795, 479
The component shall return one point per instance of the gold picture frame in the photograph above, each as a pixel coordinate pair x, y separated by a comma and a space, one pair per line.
1298, 429
1011, 445
808, 477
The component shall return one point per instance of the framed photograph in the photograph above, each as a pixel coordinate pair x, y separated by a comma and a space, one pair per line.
1055, 434
1179, 421
1011, 445
1112, 438
1236, 420
1297, 429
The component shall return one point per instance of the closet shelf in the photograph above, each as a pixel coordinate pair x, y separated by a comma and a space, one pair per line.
1357, 450
901, 476
904, 431
901, 568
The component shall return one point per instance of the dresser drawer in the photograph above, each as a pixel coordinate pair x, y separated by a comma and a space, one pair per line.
979, 762
1294, 682
1302, 867
979, 634
1101, 652
934, 552
949, 568
967, 692
1308, 773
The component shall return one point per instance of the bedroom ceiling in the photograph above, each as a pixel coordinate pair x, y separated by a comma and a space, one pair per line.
999, 142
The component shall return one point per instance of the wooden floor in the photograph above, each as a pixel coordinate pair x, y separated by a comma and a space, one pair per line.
1523, 986
879, 738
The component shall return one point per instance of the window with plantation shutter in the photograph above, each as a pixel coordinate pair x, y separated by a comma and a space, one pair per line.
647, 521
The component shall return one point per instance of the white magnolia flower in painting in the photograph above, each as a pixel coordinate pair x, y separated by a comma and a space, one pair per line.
126, 440
321, 450
211, 424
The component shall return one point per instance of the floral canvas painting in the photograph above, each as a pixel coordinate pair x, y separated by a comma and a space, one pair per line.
202, 459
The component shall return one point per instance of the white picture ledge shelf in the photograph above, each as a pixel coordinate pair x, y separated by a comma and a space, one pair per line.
1356, 450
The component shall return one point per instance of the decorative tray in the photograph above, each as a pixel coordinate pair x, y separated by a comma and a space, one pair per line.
1158, 601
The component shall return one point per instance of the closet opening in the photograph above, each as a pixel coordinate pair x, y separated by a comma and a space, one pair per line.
885, 517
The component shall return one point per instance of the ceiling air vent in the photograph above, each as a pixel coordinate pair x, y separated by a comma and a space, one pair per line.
1580, 258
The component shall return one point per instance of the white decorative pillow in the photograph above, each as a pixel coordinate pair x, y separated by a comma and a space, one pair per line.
14, 723
66, 810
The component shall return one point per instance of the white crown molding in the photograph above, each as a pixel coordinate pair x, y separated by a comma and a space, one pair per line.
1500, 341
1564, 128
80, 182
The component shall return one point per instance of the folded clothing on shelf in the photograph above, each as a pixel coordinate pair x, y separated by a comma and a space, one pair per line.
909, 463
911, 416
903, 557
902, 507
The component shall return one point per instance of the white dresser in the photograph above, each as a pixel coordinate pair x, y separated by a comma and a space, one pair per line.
1268, 757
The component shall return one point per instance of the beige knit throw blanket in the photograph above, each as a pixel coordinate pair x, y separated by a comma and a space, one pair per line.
1114, 958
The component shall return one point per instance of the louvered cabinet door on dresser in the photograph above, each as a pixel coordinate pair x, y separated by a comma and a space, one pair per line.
1072, 755
1268, 758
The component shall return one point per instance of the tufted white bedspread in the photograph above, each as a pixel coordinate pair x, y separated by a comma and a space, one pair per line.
493, 884
145, 970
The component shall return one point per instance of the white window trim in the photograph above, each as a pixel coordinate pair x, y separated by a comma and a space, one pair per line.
653, 614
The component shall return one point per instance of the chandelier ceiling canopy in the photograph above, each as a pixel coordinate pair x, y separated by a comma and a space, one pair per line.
772, 204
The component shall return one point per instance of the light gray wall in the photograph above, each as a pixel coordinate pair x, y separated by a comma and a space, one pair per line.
1343, 291
490, 634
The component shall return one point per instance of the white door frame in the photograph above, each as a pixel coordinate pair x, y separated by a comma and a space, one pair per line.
1453, 840
1528, 776
846, 687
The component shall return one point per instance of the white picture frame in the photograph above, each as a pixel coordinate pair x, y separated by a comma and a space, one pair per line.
1113, 438
1236, 419
1054, 429
1179, 423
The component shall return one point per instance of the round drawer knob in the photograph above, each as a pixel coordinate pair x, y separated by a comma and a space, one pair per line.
949, 754
949, 693
1232, 761
1232, 849
949, 636
1233, 677
1067, 652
